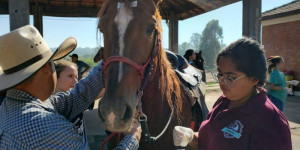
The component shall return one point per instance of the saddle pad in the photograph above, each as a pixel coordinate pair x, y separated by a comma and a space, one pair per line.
187, 78
190, 75
194, 72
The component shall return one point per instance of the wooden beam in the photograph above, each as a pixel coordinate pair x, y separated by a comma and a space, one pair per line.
58, 11
18, 13
177, 8
38, 18
173, 32
208, 5
252, 19
3, 7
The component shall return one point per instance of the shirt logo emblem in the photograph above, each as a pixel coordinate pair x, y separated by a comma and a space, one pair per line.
234, 130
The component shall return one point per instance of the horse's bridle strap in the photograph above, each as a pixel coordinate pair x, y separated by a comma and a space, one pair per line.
139, 68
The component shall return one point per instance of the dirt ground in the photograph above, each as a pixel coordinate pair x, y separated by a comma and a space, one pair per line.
213, 92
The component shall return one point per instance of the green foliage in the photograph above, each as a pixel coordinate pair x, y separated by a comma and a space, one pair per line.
89, 61
211, 84
86, 55
86, 59
211, 42
183, 47
195, 41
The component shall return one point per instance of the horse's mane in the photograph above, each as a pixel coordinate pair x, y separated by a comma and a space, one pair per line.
169, 81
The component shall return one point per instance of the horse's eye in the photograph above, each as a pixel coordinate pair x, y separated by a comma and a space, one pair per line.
150, 29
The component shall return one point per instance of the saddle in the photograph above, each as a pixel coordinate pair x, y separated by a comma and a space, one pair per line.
191, 78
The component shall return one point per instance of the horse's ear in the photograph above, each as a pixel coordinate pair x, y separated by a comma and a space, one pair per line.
157, 1
103, 9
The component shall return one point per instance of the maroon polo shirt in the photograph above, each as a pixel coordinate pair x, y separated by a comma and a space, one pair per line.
257, 125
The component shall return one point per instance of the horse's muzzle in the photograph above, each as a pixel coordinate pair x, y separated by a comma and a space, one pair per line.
115, 118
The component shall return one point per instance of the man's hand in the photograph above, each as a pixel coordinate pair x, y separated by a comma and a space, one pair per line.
182, 136
135, 130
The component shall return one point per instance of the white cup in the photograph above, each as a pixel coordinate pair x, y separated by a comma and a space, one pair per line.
180, 138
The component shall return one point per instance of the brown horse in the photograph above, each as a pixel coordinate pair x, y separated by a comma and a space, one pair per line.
135, 65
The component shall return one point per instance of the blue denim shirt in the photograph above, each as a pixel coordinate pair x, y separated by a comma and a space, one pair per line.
1, 99
28, 123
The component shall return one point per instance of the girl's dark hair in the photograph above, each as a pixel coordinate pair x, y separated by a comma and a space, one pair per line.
188, 53
249, 58
273, 61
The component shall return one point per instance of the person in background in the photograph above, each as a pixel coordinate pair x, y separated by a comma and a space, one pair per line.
199, 63
67, 75
243, 117
190, 56
82, 66
31, 117
277, 90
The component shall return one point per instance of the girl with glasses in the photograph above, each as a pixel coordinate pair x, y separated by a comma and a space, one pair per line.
243, 117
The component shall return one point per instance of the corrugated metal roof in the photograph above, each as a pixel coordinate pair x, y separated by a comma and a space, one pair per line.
292, 8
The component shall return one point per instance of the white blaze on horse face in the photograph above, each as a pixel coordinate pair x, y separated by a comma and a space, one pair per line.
122, 19
111, 119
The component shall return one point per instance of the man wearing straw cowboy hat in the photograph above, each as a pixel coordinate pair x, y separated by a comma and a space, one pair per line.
30, 118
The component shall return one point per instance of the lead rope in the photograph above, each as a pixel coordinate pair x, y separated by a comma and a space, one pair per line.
144, 124
107, 139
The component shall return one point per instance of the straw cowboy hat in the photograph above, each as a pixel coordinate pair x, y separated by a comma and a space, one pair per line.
24, 51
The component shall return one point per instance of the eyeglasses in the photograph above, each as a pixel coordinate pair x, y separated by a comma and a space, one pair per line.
228, 80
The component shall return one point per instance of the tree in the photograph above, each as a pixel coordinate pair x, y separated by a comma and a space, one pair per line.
183, 47
210, 43
195, 41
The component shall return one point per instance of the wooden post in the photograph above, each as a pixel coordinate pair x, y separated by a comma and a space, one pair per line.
173, 32
252, 19
18, 13
38, 18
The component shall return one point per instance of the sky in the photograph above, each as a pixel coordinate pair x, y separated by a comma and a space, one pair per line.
85, 29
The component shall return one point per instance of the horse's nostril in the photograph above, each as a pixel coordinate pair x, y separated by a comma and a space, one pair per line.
127, 114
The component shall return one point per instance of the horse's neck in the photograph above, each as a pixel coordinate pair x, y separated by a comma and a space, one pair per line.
153, 100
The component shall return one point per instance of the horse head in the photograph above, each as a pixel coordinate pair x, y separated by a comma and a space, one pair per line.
130, 29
